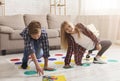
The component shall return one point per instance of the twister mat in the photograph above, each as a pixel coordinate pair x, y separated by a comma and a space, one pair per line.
55, 61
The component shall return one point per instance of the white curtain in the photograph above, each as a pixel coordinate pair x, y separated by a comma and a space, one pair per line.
104, 7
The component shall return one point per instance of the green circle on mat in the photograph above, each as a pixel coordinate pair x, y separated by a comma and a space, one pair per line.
112, 60
85, 64
30, 72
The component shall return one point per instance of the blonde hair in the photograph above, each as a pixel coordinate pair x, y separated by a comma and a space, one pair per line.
34, 27
64, 38
64, 42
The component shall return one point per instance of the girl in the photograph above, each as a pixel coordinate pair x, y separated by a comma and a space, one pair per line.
77, 39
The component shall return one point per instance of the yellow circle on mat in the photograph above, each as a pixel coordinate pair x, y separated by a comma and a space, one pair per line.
59, 62
103, 57
42, 65
90, 59
72, 61
19, 67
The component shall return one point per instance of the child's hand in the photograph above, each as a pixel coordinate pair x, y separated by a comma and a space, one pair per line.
39, 70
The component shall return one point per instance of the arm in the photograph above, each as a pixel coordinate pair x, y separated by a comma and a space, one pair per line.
45, 47
70, 49
38, 68
45, 44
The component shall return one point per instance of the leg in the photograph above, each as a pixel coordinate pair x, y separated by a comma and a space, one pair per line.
39, 53
97, 47
25, 60
88, 55
105, 45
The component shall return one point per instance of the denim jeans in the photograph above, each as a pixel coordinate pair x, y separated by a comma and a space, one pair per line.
38, 52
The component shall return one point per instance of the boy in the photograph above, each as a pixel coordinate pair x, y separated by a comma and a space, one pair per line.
36, 45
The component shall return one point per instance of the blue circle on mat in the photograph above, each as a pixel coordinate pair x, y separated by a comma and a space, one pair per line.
112, 60
52, 59
39, 60
85, 64
18, 63
63, 57
92, 54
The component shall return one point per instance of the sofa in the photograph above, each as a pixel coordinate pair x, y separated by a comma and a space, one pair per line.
12, 25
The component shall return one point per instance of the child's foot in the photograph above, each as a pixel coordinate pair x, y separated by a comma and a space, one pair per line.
87, 57
24, 66
67, 66
98, 61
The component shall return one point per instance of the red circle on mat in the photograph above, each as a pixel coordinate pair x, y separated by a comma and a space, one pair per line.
58, 54
15, 59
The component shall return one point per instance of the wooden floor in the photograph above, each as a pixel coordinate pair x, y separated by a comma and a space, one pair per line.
94, 72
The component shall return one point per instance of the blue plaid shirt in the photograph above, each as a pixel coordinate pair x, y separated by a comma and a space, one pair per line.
42, 41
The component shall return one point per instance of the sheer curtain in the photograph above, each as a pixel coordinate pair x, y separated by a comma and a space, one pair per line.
104, 7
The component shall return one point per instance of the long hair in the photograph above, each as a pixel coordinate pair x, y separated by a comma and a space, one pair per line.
64, 42
64, 38
78, 31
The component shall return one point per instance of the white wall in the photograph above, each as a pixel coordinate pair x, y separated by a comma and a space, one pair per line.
1, 11
26, 7
72, 7
37, 7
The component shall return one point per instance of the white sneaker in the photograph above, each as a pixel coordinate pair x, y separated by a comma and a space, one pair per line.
98, 61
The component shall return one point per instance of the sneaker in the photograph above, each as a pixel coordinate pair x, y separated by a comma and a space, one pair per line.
87, 57
24, 66
98, 61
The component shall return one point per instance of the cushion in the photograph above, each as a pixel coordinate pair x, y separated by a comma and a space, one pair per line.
54, 21
52, 33
93, 29
6, 29
16, 35
41, 18
14, 21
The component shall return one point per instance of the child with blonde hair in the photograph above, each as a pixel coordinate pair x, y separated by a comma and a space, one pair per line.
77, 39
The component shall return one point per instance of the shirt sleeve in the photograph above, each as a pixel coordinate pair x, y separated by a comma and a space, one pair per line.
45, 44
70, 49
71, 45
29, 46
87, 32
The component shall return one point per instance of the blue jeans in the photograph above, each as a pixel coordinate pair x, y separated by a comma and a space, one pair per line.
38, 52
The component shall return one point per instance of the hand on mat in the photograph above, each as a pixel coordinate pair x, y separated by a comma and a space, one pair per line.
67, 66
39, 70
49, 69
